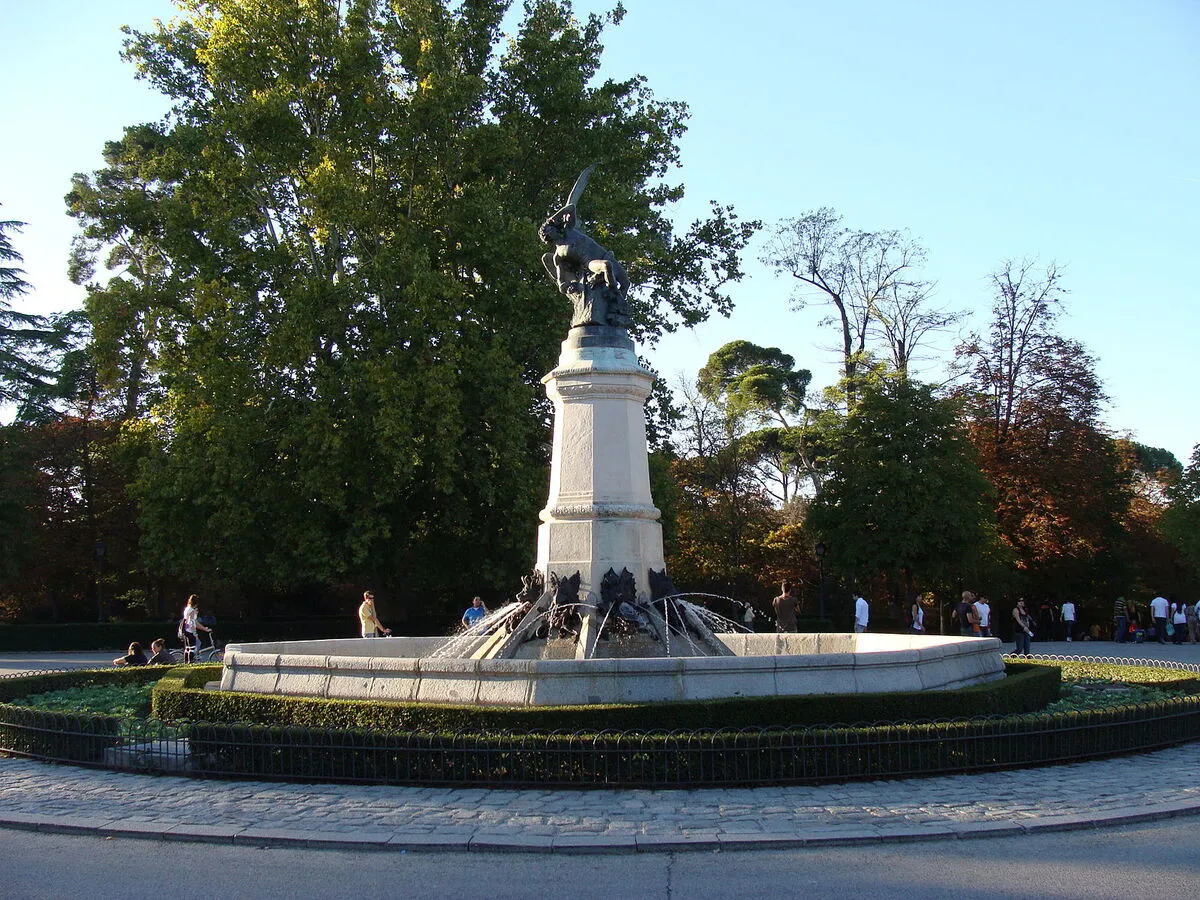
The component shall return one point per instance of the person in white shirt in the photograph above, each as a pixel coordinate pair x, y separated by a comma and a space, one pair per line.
1068, 619
861, 613
1159, 609
1179, 622
983, 611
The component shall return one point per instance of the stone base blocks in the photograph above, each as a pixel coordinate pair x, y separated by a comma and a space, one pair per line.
599, 514
766, 665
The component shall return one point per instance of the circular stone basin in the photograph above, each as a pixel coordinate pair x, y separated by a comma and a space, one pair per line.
764, 665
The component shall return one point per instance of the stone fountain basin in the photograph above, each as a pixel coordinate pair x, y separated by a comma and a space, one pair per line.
766, 665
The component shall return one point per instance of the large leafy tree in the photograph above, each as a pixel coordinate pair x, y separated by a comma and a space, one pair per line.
904, 497
326, 310
761, 386
1062, 485
1181, 520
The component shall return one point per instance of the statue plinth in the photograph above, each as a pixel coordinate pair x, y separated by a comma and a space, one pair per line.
599, 514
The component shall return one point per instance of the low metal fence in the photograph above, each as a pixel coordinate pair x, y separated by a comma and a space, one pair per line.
672, 759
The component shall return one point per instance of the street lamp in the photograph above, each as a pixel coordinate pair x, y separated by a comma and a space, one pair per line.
820, 551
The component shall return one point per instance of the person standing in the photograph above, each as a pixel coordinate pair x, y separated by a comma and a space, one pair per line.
785, 609
1192, 612
1068, 619
1121, 617
190, 628
1179, 621
862, 612
917, 617
475, 613
962, 614
1022, 628
983, 611
1159, 610
368, 620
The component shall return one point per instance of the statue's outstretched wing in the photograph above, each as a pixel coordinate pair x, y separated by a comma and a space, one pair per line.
580, 184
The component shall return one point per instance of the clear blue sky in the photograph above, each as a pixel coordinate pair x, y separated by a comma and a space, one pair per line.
1068, 130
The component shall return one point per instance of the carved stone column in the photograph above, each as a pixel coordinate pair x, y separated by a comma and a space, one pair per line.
600, 514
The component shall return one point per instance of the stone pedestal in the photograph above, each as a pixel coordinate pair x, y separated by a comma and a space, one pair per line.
599, 514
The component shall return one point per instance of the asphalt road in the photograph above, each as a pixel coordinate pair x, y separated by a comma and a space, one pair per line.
1145, 861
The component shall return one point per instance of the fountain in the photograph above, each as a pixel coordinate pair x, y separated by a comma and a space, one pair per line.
585, 629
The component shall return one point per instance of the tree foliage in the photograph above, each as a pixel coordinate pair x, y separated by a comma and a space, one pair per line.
904, 496
872, 281
325, 310
1062, 486
28, 342
1181, 520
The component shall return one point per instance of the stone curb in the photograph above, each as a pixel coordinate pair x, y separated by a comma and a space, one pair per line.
854, 835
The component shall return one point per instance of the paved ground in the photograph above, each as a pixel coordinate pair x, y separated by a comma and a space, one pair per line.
42, 797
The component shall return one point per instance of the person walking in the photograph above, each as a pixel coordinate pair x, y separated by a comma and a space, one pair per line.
368, 620
862, 612
1022, 629
1192, 612
1159, 610
785, 609
1121, 617
1068, 619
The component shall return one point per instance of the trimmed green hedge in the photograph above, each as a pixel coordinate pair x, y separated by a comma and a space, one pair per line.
1027, 688
445, 752
772, 756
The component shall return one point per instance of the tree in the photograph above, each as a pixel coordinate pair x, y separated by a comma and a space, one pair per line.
722, 515
327, 307
27, 341
762, 385
904, 497
1062, 487
1181, 520
869, 278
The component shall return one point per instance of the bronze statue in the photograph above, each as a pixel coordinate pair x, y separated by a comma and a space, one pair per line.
583, 270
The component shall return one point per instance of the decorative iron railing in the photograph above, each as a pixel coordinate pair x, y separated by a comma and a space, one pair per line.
667, 759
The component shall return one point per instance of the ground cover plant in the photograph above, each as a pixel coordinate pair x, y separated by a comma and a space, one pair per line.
126, 700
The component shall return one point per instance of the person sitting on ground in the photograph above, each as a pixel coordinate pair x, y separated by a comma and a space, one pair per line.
475, 613
162, 656
368, 620
135, 657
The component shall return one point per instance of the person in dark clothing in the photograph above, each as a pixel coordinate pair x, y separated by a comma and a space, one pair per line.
135, 657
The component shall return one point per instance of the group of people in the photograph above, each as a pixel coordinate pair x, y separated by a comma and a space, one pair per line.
370, 626
189, 630
136, 656
1175, 621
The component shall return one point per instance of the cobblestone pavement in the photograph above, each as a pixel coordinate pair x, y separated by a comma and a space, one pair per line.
45, 797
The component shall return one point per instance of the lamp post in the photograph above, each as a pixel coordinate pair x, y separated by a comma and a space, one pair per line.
820, 551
